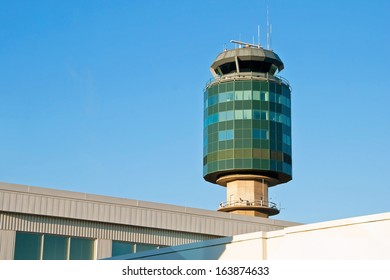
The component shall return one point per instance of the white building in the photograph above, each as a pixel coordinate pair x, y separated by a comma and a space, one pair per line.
361, 238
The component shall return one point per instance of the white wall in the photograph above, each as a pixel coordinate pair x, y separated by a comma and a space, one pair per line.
366, 237
357, 238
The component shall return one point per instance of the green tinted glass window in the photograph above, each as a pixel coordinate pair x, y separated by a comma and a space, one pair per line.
28, 246
122, 248
145, 247
81, 249
55, 247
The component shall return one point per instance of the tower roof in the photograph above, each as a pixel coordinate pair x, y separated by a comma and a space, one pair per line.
260, 58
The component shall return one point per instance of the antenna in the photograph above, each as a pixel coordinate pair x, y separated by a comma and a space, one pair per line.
246, 45
270, 36
258, 35
268, 28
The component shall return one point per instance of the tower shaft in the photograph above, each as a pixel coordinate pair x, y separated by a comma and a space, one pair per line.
247, 195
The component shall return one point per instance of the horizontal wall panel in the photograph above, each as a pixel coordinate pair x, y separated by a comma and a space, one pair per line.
89, 229
121, 211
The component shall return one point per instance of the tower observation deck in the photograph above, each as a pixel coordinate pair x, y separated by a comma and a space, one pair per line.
247, 128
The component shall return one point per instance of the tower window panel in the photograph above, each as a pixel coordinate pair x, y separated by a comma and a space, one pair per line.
238, 114
260, 134
226, 135
286, 139
230, 134
229, 96
221, 125
229, 144
229, 115
247, 114
222, 97
264, 96
272, 116
247, 95
239, 95
230, 154
222, 164
222, 87
255, 85
272, 97
247, 133
222, 106
247, 85
260, 115
205, 170
222, 116
213, 100
213, 119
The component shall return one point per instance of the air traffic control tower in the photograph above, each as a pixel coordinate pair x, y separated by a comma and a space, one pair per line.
247, 128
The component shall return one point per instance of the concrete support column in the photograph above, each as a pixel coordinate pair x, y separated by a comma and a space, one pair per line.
103, 249
7, 244
247, 195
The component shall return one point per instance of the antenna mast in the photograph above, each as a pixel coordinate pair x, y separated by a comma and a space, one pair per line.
268, 26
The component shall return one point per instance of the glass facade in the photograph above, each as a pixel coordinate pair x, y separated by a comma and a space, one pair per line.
28, 246
56, 247
81, 248
38, 246
247, 127
122, 247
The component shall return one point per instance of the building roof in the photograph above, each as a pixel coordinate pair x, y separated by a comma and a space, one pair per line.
98, 208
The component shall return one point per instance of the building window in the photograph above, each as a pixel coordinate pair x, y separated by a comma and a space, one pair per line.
81, 248
55, 247
122, 248
145, 247
35, 246
28, 246
226, 135
261, 134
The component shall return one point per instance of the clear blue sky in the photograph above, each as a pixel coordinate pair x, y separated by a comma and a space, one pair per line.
106, 97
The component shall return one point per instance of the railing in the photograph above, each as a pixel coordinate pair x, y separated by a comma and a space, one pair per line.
248, 76
246, 203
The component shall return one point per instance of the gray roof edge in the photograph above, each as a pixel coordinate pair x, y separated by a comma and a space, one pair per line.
64, 194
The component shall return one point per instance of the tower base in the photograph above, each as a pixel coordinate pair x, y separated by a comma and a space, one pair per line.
248, 195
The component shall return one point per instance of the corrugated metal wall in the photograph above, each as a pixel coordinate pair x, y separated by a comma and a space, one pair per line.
96, 230
93, 208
